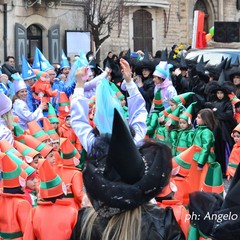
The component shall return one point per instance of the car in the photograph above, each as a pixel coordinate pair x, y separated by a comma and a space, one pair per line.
214, 56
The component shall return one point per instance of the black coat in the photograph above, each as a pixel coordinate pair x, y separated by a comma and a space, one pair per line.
157, 224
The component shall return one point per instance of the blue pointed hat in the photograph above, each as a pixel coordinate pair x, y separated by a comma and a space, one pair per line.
64, 61
18, 82
36, 61
42, 63
27, 72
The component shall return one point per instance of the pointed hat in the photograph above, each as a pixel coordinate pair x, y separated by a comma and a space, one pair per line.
157, 100
184, 159
26, 151
63, 105
64, 61
69, 154
36, 131
52, 116
187, 114
12, 174
27, 72
49, 130
51, 184
183, 98
214, 180
39, 146
18, 132
6, 147
237, 128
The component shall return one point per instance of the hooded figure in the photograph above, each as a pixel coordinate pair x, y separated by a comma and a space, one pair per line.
120, 182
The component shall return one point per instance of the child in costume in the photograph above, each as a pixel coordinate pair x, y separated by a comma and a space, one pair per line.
15, 208
181, 139
152, 120
6, 121
234, 159
66, 131
53, 218
204, 138
71, 174
42, 87
20, 107
120, 190
52, 116
161, 80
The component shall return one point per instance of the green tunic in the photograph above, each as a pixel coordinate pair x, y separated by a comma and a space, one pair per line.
181, 140
204, 138
152, 122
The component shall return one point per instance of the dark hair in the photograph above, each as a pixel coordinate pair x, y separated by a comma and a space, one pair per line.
53, 199
8, 57
208, 117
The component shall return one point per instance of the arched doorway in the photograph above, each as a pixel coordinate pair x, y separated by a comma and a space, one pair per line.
142, 30
201, 6
34, 39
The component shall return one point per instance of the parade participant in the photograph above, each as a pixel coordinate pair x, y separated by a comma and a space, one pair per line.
152, 120
66, 131
80, 109
52, 116
204, 138
236, 106
234, 156
6, 85
15, 208
6, 119
53, 218
71, 174
182, 138
161, 80
120, 190
20, 107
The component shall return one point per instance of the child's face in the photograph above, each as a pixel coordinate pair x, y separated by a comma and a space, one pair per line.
236, 136
34, 163
220, 95
183, 124
31, 183
173, 105
199, 120
56, 145
55, 125
123, 102
50, 157
68, 122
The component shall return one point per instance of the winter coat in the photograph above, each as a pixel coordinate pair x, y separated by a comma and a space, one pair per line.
157, 224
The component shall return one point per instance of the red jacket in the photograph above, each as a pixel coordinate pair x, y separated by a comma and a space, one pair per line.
233, 160
67, 132
72, 177
14, 213
51, 221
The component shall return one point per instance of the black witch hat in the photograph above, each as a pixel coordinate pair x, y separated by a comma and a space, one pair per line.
127, 177
164, 56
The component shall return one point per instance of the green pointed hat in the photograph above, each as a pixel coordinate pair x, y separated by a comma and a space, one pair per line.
187, 114
174, 116
52, 116
158, 102
214, 180
167, 111
18, 132
182, 98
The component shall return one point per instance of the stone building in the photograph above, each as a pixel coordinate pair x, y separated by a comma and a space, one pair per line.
151, 24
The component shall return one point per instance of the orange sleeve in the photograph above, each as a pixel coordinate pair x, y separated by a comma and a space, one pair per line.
77, 187
29, 234
23, 211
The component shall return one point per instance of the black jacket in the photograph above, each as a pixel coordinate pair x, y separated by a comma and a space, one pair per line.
157, 224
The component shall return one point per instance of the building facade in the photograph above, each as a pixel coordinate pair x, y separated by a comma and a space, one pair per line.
149, 24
